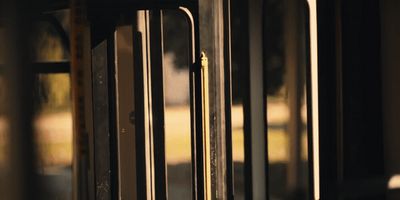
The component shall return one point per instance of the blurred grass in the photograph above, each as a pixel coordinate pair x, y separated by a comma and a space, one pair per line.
54, 139
178, 138
54, 154
278, 145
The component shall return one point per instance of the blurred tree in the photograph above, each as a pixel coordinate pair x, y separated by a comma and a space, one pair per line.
176, 30
273, 59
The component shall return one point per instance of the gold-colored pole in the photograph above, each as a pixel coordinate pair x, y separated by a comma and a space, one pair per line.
81, 98
206, 127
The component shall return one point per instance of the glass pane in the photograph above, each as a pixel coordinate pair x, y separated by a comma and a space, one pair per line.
285, 66
177, 105
53, 134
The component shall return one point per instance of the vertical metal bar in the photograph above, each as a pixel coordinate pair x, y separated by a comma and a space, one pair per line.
148, 108
257, 103
294, 78
206, 126
157, 96
139, 114
197, 142
21, 179
339, 90
244, 72
81, 101
228, 98
142, 118
214, 46
314, 96
198, 101
309, 102
199, 125
113, 131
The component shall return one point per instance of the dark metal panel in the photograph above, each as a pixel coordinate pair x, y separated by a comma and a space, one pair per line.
362, 152
363, 188
351, 143
101, 126
157, 98
113, 130
327, 99
362, 113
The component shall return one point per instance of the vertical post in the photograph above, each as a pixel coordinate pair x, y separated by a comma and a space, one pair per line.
294, 63
215, 16
144, 129
314, 96
140, 112
259, 158
157, 99
206, 126
228, 99
81, 100
21, 179
244, 71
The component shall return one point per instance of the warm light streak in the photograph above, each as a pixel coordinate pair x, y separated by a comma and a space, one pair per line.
314, 95
394, 182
